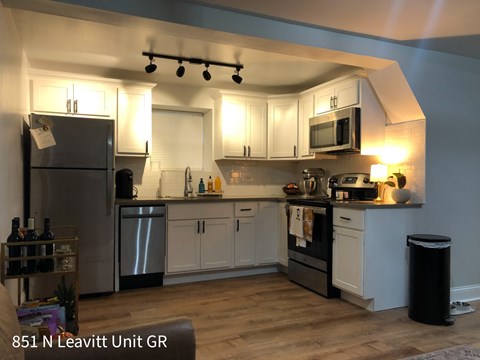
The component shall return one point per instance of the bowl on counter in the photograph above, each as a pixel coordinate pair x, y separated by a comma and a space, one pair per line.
291, 190
307, 186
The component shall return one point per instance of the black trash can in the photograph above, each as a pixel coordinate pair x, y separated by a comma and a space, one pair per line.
429, 279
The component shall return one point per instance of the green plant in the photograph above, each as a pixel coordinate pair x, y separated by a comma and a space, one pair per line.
66, 297
401, 180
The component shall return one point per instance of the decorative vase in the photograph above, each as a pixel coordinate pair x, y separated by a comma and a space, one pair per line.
401, 196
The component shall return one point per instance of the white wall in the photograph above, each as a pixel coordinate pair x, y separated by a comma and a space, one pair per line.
12, 98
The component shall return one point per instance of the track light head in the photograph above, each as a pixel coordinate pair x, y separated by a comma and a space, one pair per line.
181, 69
236, 77
206, 75
150, 68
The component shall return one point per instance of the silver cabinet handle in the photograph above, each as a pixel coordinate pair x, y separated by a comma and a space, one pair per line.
335, 101
294, 150
244, 150
75, 106
146, 147
331, 102
248, 150
69, 106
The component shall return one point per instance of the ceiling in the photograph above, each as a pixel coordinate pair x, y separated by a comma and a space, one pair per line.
63, 36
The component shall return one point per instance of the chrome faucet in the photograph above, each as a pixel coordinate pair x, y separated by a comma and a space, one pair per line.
188, 189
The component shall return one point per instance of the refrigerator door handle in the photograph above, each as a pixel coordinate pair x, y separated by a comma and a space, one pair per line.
109, 194
110, 146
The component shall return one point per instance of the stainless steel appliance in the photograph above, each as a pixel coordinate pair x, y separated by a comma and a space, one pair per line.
352, 186
142, 246
72, 184
335, 132
311, 265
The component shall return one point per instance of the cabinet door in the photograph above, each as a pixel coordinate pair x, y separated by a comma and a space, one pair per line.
257, 129
267, 238
324, 100
216, 243
94, 99
347, 267
282, 235
53, 96
282, 129
134, 121
347, 94
234, 127
245, 241
183, 245
305, 112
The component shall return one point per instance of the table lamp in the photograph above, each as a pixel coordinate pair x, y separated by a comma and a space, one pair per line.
378, 174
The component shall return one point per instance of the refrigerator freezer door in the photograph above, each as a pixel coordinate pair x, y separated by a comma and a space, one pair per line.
82, 198
81, 143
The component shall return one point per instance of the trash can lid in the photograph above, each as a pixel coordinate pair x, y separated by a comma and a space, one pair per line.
429, 238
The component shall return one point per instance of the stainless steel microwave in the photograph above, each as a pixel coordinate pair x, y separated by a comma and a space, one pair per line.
336, 131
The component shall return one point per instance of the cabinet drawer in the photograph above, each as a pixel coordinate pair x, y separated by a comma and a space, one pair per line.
244, 209
349, 218
199, 211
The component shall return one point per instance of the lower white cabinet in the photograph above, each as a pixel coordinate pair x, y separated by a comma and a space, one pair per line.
199, 237
370, 255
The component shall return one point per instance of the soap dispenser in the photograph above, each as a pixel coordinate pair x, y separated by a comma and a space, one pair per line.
201, 186
210, 184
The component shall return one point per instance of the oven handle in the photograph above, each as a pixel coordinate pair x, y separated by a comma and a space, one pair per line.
316, 210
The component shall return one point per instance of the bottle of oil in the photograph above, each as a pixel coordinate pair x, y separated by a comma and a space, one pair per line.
210, 184
218, 184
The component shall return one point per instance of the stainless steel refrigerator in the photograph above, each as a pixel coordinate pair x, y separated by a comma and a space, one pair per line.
72, 184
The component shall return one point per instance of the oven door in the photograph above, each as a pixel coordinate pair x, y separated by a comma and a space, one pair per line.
316, 252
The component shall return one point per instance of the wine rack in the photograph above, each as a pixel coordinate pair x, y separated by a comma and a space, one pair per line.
64, 257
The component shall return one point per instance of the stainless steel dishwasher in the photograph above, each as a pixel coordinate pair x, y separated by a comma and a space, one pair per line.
142, 246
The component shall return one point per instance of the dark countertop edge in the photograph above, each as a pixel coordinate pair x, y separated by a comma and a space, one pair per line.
180, 200
373, 205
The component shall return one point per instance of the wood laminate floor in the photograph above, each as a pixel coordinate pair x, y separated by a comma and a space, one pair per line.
269, 317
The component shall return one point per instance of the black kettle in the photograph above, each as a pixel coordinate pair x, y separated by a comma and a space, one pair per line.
124, 184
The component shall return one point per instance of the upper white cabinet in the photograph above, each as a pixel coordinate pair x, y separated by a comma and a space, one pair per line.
306, 110
337, 96
282, 127
240, 127
134, 121
81, 98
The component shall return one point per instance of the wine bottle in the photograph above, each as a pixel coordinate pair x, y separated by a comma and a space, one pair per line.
46, 265
15, 266
31, 249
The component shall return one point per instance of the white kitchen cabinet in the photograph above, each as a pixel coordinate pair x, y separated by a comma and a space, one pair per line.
370, 255
199, 237
134, 121
282, 127
240, 127
68, 97
245, 224
282, 235
306, 110
337, 96
267, 236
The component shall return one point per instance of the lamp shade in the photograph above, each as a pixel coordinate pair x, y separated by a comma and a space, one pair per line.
378, 172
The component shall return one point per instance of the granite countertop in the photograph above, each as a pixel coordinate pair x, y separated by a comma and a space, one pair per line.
151, 201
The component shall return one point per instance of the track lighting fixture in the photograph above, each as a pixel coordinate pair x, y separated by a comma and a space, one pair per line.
150, 68
236, 77
206, 75
181, 69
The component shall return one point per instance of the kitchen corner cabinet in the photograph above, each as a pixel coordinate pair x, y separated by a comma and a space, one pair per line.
283, 127
337, 96
245, 224
199, 237
240, 127
369, 255
134, 121
306, 110
68, 97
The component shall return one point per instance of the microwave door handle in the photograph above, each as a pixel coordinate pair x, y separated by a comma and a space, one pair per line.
335, 132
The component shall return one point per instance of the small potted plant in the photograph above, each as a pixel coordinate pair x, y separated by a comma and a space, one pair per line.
400, 194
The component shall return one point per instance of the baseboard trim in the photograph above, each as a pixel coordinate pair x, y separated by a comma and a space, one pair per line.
173, 279
465, 293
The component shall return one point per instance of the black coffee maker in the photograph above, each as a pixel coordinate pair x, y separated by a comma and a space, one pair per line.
124, 184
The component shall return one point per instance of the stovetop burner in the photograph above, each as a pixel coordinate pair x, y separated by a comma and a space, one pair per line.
310, 200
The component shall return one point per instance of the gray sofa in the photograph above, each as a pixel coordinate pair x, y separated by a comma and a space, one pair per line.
169, 339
